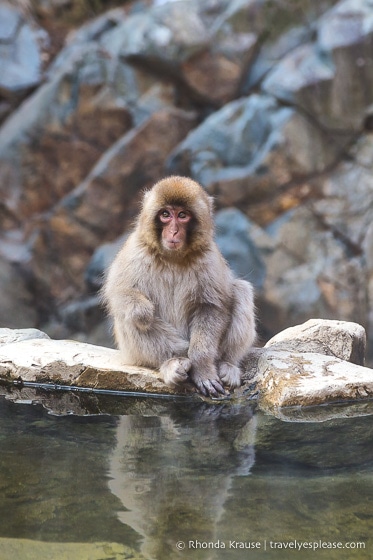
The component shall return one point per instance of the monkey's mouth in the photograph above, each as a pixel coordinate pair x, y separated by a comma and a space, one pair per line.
172, 245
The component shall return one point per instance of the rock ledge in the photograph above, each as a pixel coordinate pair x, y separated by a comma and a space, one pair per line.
317, 362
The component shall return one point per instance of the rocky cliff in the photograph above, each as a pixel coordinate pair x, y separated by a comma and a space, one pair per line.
267, 104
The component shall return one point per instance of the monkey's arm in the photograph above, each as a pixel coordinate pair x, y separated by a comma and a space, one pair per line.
136, 308
142, 336
207, 328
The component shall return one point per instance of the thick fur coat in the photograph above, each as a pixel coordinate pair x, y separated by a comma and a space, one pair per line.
180, 311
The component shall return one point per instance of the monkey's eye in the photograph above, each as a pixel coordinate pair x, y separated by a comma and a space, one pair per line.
164, 215
184, 216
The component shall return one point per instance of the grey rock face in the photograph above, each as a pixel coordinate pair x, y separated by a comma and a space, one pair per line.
21, 64
310, 270
16, 304
313, 76
234, 241
251, 147
267, 104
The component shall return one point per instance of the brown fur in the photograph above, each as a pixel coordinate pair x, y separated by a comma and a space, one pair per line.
177, 191
180, 311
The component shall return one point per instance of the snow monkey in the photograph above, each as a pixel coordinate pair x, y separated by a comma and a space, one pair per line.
175, 303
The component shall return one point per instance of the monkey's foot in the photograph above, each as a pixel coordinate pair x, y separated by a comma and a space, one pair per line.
230, 375
210, 387
207, 384
175, 370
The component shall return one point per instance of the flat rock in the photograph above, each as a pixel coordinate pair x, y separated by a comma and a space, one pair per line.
15, 335
342, 339
71, 363
310, 364
305, 379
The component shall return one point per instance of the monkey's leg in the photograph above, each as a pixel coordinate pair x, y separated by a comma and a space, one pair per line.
207, 327
152, 347
240, 334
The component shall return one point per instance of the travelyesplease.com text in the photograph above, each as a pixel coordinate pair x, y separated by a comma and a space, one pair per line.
268, 545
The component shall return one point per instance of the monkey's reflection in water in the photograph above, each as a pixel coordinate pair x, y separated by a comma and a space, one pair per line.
173, 473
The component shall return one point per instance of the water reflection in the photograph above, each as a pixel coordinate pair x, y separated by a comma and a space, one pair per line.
175, 471
148, 473
185, 477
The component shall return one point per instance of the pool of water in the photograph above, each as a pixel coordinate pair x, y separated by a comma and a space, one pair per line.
99, 477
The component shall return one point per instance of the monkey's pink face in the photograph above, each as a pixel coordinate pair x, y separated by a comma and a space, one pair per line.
175, 222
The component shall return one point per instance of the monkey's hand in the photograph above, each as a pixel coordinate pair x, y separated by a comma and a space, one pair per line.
230, 375
143, 314
175, 371
207, 380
